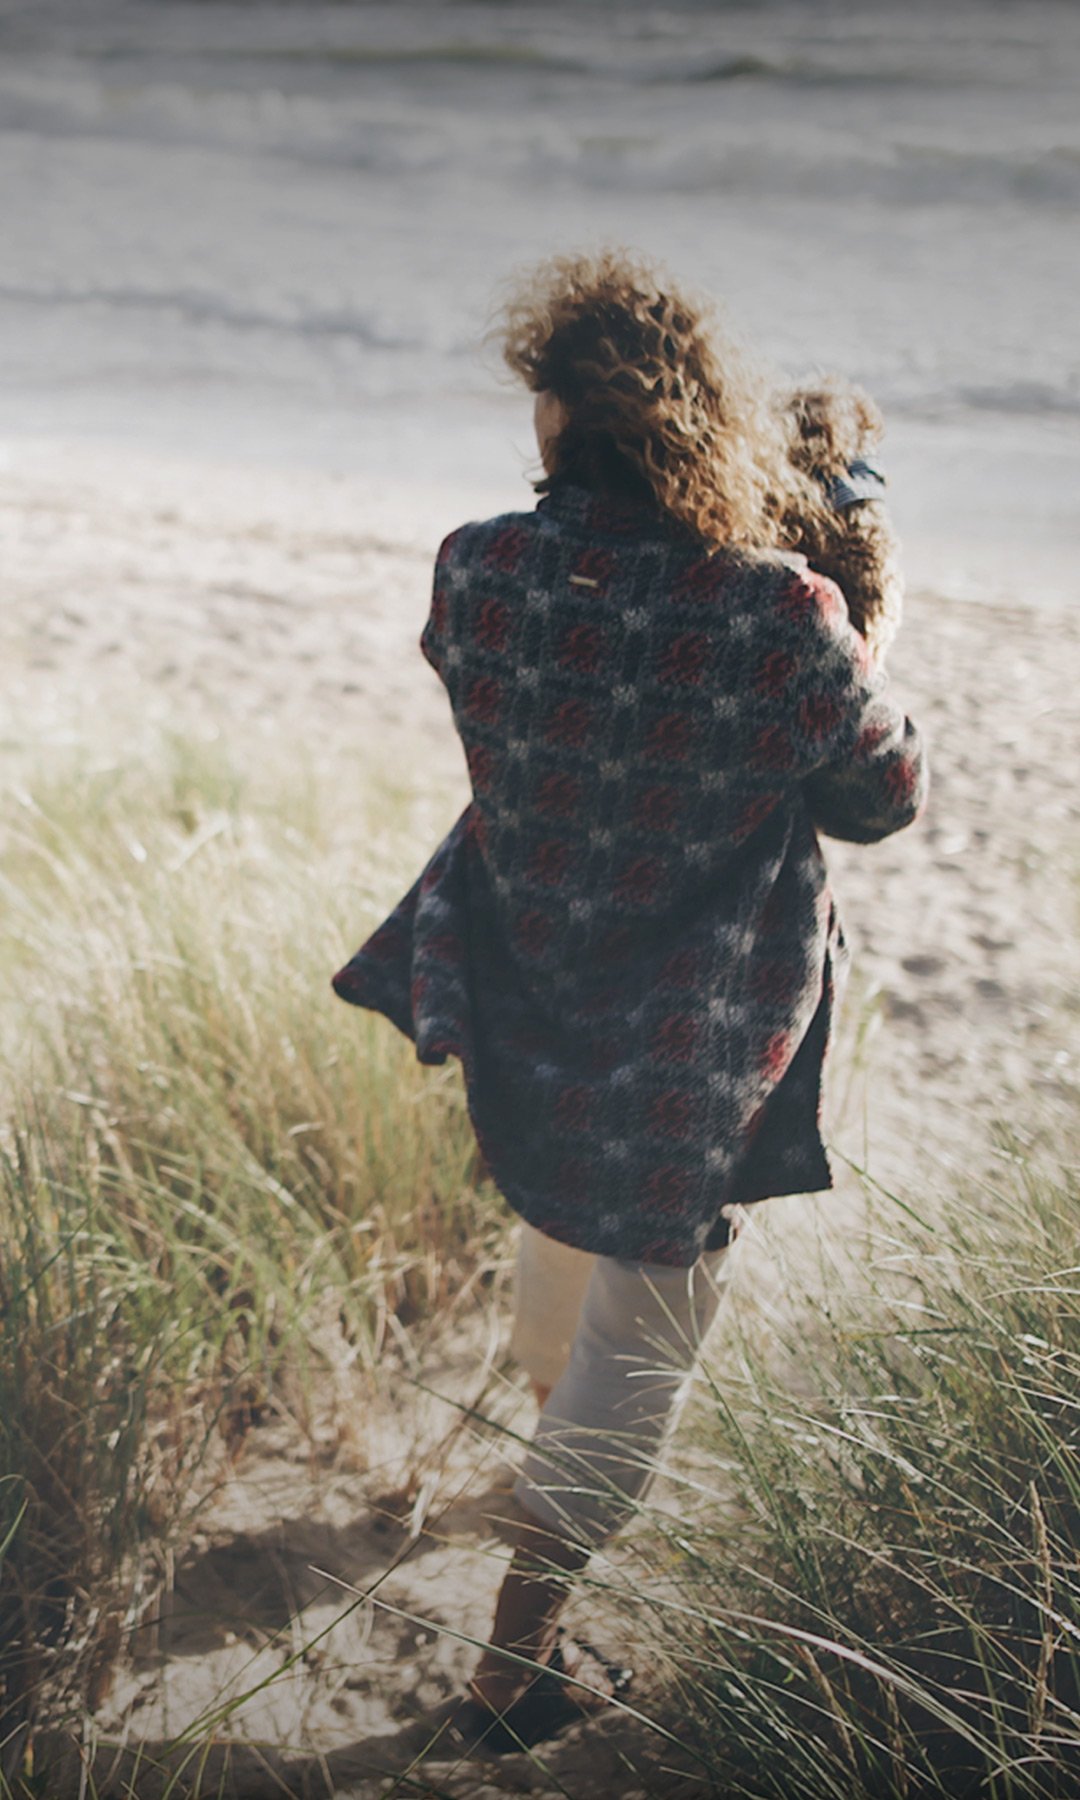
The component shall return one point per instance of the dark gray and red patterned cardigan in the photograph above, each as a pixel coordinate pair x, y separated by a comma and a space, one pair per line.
628, 937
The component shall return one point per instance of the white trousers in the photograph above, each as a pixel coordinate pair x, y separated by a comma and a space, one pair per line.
616, 1342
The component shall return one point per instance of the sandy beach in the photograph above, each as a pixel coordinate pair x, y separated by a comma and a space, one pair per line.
150, 595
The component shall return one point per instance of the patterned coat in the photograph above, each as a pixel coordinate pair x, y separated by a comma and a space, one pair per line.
628, 937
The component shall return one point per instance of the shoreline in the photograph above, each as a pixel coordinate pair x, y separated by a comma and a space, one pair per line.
1006, 534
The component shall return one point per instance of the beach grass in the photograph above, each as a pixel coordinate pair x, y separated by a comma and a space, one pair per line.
216, 1182
214, 1178
873, 1591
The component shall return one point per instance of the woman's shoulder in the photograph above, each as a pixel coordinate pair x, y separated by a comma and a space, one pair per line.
500, 545
743, 576
479, 538
786, 572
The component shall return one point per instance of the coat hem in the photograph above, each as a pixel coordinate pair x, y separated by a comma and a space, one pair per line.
356, 988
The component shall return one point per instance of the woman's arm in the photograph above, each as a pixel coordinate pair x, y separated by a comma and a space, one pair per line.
878, 787
433, 638
863, 765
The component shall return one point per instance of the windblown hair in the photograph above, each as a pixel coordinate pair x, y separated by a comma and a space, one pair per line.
660, 407
663, 409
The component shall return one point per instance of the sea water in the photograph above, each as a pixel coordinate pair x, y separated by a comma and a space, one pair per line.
246, 232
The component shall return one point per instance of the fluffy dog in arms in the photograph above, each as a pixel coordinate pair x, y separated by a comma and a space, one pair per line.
831, 428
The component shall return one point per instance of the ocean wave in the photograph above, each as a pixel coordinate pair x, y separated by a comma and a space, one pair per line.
193, 307
674, 148
810, 72
793, 166
914, 43
952, 395
389, 137
1028, 398
667, 155
451, 55
728, 68
434, 343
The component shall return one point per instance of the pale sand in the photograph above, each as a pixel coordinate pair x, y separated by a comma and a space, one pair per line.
139, 597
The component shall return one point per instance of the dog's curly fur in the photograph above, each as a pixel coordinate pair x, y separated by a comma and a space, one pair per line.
829, 426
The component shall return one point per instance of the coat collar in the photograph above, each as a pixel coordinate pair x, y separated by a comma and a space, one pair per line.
609, 515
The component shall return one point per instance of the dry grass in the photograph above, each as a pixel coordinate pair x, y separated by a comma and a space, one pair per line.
213, 1178
212, 1175
885, 1605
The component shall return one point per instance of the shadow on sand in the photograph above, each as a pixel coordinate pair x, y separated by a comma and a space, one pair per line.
591, 1760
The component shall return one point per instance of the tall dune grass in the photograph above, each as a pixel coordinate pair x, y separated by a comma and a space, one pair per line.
213, 1178
885, 1605
210, 1170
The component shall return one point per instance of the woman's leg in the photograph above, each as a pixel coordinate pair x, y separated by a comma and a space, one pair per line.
531, 1597
639, 1331
550, 1280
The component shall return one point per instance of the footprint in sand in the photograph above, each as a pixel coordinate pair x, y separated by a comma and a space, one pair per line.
989, 989
993, 945
923, 965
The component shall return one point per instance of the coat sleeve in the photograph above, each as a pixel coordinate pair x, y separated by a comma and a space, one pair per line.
434, 638
864, 765
879, 787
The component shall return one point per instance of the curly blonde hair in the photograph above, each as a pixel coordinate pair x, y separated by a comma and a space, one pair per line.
659, 404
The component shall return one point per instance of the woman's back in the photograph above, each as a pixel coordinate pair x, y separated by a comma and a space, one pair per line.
635, 711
